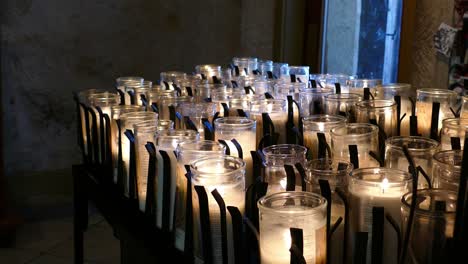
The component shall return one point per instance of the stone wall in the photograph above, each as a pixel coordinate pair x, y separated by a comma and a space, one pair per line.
51, 48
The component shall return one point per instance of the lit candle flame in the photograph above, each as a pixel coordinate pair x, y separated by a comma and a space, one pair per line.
283, 183
384, 185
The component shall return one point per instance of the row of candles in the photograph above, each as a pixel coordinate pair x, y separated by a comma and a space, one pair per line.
214, 119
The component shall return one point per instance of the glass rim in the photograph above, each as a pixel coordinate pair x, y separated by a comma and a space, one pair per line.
349, 166
245, 59
391, 143
448, 153
234, 122
138, 114
406, 177
367, 104
455, 123
223, 158
129, 78
330, 119
395, 86
184, 146
425, 212
436, 92
279, 196
371, 129
342, 96
298, 150
176, 133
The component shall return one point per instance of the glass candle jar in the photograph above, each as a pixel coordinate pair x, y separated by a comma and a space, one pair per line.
127, 121
261, 86
276, 108
404, 90
138, 89
364, 136
224, 96
243, 130
433, 224
166, 102
208, 71
320, 79
343, 104
144, 132
203, 90
169, 77
122, 82
281, 211
337, 173
165, 125
357, 86
342, 79
453, 128
281, 71
246, 65
168, 140
301, 73
283, 89
265, 66
188, 83
276, 157
376, 187
116, 111
196, 112
464, 109
188, 152
420, 148
446, 169
226, 175
312, 101
319, 124
424, 101
242, 102
384, 112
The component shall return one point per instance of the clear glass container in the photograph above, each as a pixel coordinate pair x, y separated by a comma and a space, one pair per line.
312, 101
433, 224
357, 86
155, 96
169, 77
283, 89
319, 123
384, 112
342, 104
116, 111
376, 187
138, 89
243, 102
165, 125
226, 175
168, 140
342, 79
263, 86
121, 82
144, 132
277, 110
337, 173
243, 130
276, 157
246, 65
464, 109
204, 90
265, 66
425, 98
301, 72
453, 127
164, 104
364, 136
224, 96
420, 148
281, 211
196, 112
405, 91
208, 71
281, 71
188, 152
127, 121
446, 169
320, 79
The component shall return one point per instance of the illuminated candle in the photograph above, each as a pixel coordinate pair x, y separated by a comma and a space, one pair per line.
404, 90
281, 71
336, 172
262, 86
196, 112
276, 108
312, 101
203, 90
242, 102
376, 187
116, 111
281, 211
168, 140
169, 77
243, 130
433, 224
265, 66
188, 152
357, 86
319, 123
425, 98
209, 70
224, 96
384, 112
453, 128
342, 79
421, 149
127, 121
122, 82
342, 104
246, 65
276, 157
364, 136
165, 102
226, 175
301, 73
464, 109
446, 169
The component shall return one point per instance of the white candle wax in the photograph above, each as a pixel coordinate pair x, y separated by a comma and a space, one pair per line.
424, 114
279, 121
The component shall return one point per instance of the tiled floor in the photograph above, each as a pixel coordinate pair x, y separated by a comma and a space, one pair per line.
51, 241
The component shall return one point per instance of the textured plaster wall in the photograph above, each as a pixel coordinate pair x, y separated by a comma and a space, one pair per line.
53, 47
428, 68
